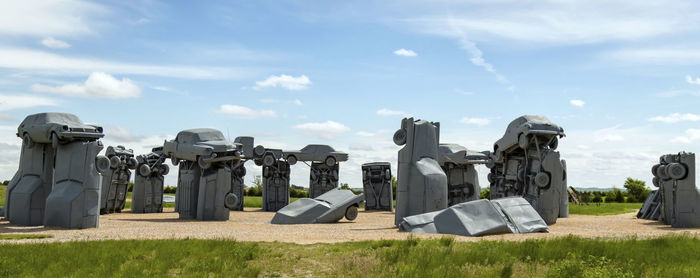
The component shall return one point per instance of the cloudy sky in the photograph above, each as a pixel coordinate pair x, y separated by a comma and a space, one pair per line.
621, 77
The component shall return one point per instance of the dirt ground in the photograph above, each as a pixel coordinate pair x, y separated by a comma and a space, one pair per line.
253, 225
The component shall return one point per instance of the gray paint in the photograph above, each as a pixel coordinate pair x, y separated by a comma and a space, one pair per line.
421, 183
376, 182
680, 200
205, 174
462, 179
328, 208
322, 178
236, 196
115, 181
147, 195
651, 208
275, 186
57, 183
524, 163
478, 218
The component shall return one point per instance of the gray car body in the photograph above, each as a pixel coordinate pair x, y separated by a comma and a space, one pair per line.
328, 208
317, 153
525, 125
67, 127
457, 154
208, 143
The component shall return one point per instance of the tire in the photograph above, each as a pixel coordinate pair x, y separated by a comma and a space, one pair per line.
102, 163
661, 172
174, 160
240, 171
400, 137
269, 160
542, 180
655, 181
259, 150
54, 140
164, 169
292, 160
132, 163
258, 162
676, 171
523, 141
351, 213
203, 164
114, 162
231, 201
490, 178
27, 140
330, 161
654, 170
144, 170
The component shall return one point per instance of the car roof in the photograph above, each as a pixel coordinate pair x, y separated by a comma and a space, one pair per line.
199, 134
54, 117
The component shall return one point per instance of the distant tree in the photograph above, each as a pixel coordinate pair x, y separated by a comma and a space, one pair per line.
636, 189
615, 196
585, 196
257, 188
393, 186
347, 187
131, 187
597, 197
5, 182
485, 193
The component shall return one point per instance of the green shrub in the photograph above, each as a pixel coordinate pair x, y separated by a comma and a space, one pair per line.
169, 189
637, 189
485, 193
298, 193
597, 197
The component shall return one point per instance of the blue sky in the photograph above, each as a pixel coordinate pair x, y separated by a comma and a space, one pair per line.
623, 79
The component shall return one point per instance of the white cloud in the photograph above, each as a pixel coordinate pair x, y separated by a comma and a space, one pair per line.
388, 112
365, 134
577, 102
50, 17
691, 135
11, 102
690, 80
98, 84
661, 55
7, 118
298, 102
406, 52
475, 121
610, 134
39, 62
557, 22
676, 117
245, 112
120, 134
326, 130
54, 43
284, 81
478, 59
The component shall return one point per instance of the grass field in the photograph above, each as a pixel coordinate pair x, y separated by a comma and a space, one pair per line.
604, 208
22, 236
675, 256
3, 190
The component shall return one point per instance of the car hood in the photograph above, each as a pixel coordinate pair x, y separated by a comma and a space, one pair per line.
218, 146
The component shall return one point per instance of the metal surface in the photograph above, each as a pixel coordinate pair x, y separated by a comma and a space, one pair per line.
147, 195
462, 179
330, 207
680, 200
421, 183
478, 218
115, 181
524, 163
376, 183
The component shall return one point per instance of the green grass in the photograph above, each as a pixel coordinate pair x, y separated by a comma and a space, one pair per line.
22, 236
604, 208
256, 201
672, 256
3, 191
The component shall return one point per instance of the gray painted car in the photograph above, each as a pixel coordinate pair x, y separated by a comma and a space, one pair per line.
328, 208
318, 153
525, 128
203, 145
56, 127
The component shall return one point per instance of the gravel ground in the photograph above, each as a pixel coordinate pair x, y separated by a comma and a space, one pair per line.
252, 225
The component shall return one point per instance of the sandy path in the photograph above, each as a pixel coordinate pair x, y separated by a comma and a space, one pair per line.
252, 225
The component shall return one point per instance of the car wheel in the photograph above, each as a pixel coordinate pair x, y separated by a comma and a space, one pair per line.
330, 161
542, 179
269, 160
655, 181
400, 137
292, 160
102, 163
174, 160
144, 170
654, 170
490, 178
27, 141
259, 150
523, 141
54, 140
203, 164
164, 169
240, 171
351, 213
231, 201
132, 163
661, 172
258, 162
114, 162
676, 171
